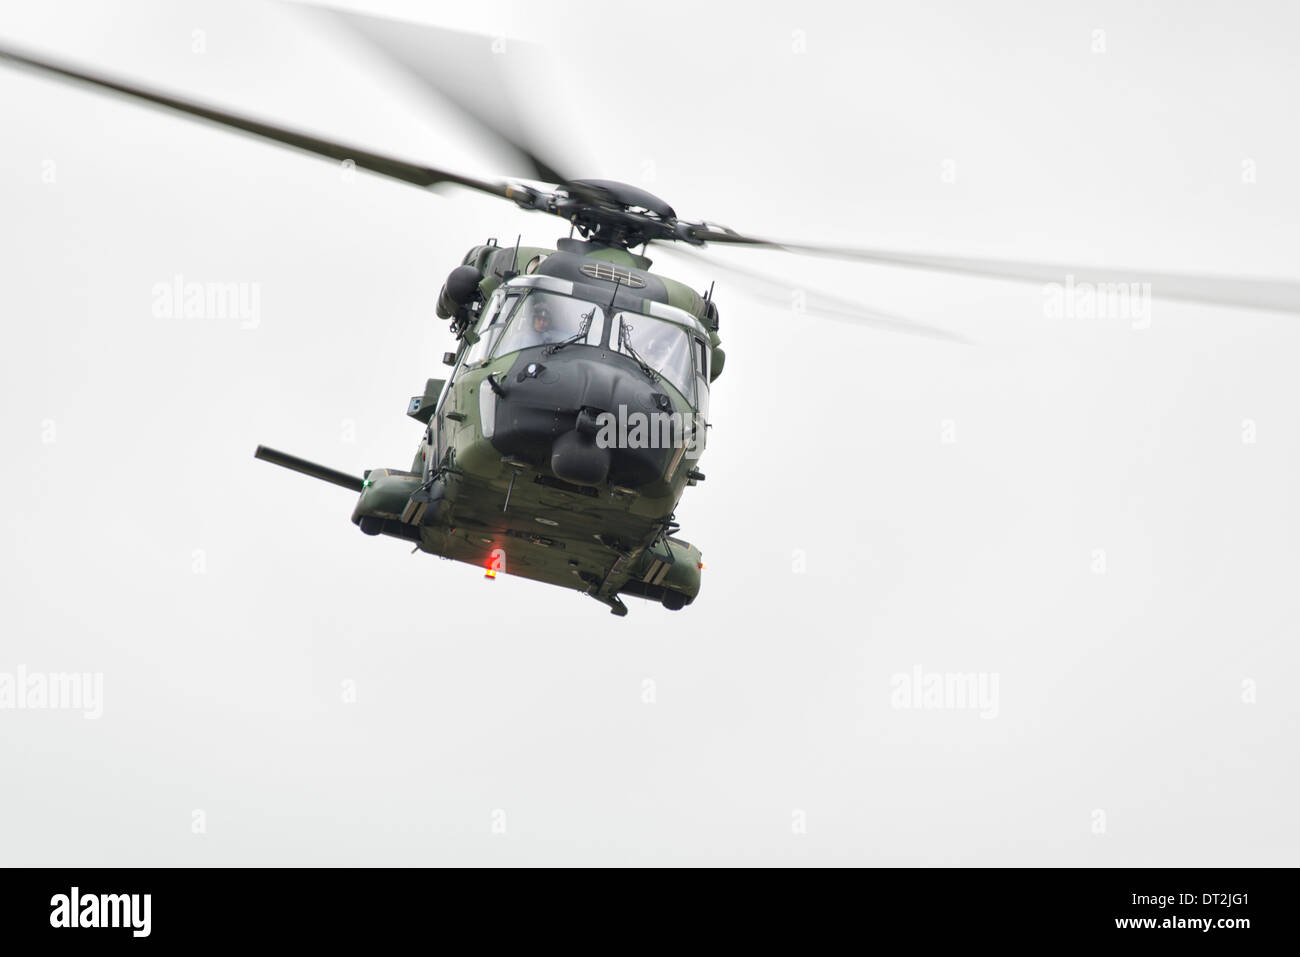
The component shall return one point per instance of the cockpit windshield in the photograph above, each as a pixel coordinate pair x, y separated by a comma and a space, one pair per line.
545, 318
663, 347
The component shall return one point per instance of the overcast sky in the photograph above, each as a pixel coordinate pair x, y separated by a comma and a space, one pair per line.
1095, 517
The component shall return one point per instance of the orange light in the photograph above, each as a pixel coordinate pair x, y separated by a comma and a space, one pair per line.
490, 573
701, 566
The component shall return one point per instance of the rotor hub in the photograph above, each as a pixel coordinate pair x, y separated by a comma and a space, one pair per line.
607, 212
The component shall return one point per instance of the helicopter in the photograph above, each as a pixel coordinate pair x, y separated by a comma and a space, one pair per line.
526, 465
575, 411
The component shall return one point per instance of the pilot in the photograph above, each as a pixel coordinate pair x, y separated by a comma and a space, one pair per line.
542, 322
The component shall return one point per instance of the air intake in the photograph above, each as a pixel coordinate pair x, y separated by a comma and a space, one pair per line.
612, 273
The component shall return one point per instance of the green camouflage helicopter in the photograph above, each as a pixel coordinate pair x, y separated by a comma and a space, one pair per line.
560, 443
577, 406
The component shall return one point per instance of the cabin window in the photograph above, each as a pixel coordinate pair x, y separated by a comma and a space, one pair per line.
548, 319
663, 346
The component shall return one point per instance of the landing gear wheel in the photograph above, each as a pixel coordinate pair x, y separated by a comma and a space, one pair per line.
673, 601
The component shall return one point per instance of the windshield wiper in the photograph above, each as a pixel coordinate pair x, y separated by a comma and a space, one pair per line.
625, 343
580, 334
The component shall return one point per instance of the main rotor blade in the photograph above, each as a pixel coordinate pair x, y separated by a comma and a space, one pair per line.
764, 286
1251, 293
465, 70
425, 176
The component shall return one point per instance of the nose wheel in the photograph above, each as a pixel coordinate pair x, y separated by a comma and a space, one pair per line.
673, 601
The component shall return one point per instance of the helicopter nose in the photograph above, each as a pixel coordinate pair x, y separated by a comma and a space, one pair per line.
553, 409
576, 458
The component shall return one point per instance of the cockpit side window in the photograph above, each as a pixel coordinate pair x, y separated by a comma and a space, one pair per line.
495, 315
702, 378
548, 319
